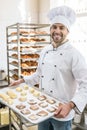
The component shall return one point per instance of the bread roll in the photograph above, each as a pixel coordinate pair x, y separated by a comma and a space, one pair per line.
18, 89
11, 94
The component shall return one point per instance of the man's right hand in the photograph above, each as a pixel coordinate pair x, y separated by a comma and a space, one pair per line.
17, 82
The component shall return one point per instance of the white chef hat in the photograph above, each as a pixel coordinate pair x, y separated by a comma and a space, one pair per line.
62, 14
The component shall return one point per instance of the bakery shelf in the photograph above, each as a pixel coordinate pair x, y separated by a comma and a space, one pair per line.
2, 126
81, 125
22, 39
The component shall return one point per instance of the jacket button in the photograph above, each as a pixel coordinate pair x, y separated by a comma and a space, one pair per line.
51, 91
42, 63
52, 78
42, 88
55, 65
47, 52
61, 54
42, 76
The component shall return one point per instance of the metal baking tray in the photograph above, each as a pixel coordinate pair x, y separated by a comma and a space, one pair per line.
32, 98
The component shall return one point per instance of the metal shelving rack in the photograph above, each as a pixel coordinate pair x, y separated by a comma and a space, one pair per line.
16, 122
81, 125
17, 28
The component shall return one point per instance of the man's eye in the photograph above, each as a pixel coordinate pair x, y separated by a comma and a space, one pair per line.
53, 27
62, 28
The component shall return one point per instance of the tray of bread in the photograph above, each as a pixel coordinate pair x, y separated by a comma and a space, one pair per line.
29, 102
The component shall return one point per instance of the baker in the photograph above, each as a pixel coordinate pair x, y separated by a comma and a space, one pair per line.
61, 71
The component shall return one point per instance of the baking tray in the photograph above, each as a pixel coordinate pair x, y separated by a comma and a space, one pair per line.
38, 105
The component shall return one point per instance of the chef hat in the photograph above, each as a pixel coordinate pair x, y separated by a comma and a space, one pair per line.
62, 14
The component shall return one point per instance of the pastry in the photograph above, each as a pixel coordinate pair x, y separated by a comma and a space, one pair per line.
32, 102
13, 33
5, 97
10, 101
42, 97
34, 107
51, 101
42, 113
24, 93
22, 98
33, 117
31, 90
18, 89
20, 106
26, 87
51, 109
25, 111
11, 94
36, 93
43, 104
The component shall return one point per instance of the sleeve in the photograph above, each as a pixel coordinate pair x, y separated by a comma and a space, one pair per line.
79, 70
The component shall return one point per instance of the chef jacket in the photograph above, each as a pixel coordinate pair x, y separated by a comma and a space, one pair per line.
62, 73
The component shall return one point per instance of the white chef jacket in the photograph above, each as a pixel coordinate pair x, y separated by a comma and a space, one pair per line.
62, 73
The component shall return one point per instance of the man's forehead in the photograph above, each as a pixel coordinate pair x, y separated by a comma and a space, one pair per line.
58, 24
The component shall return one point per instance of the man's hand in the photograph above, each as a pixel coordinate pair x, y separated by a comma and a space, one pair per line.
17, 82
64, 109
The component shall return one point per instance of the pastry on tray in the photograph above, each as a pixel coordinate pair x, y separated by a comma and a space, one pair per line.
42, 113
51, 101
6, 98
42, 97
36, 93
22, 98
51, 109
26, 87
20, 106
23, 93
31, 90
43, 104
11, 94
34, 107
18, 89
25, 111
33, 117
32, 101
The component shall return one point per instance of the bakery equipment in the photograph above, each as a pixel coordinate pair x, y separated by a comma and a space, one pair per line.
2, 75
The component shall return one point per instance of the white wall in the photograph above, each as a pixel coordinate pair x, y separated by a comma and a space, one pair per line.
13, 11
44, 6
